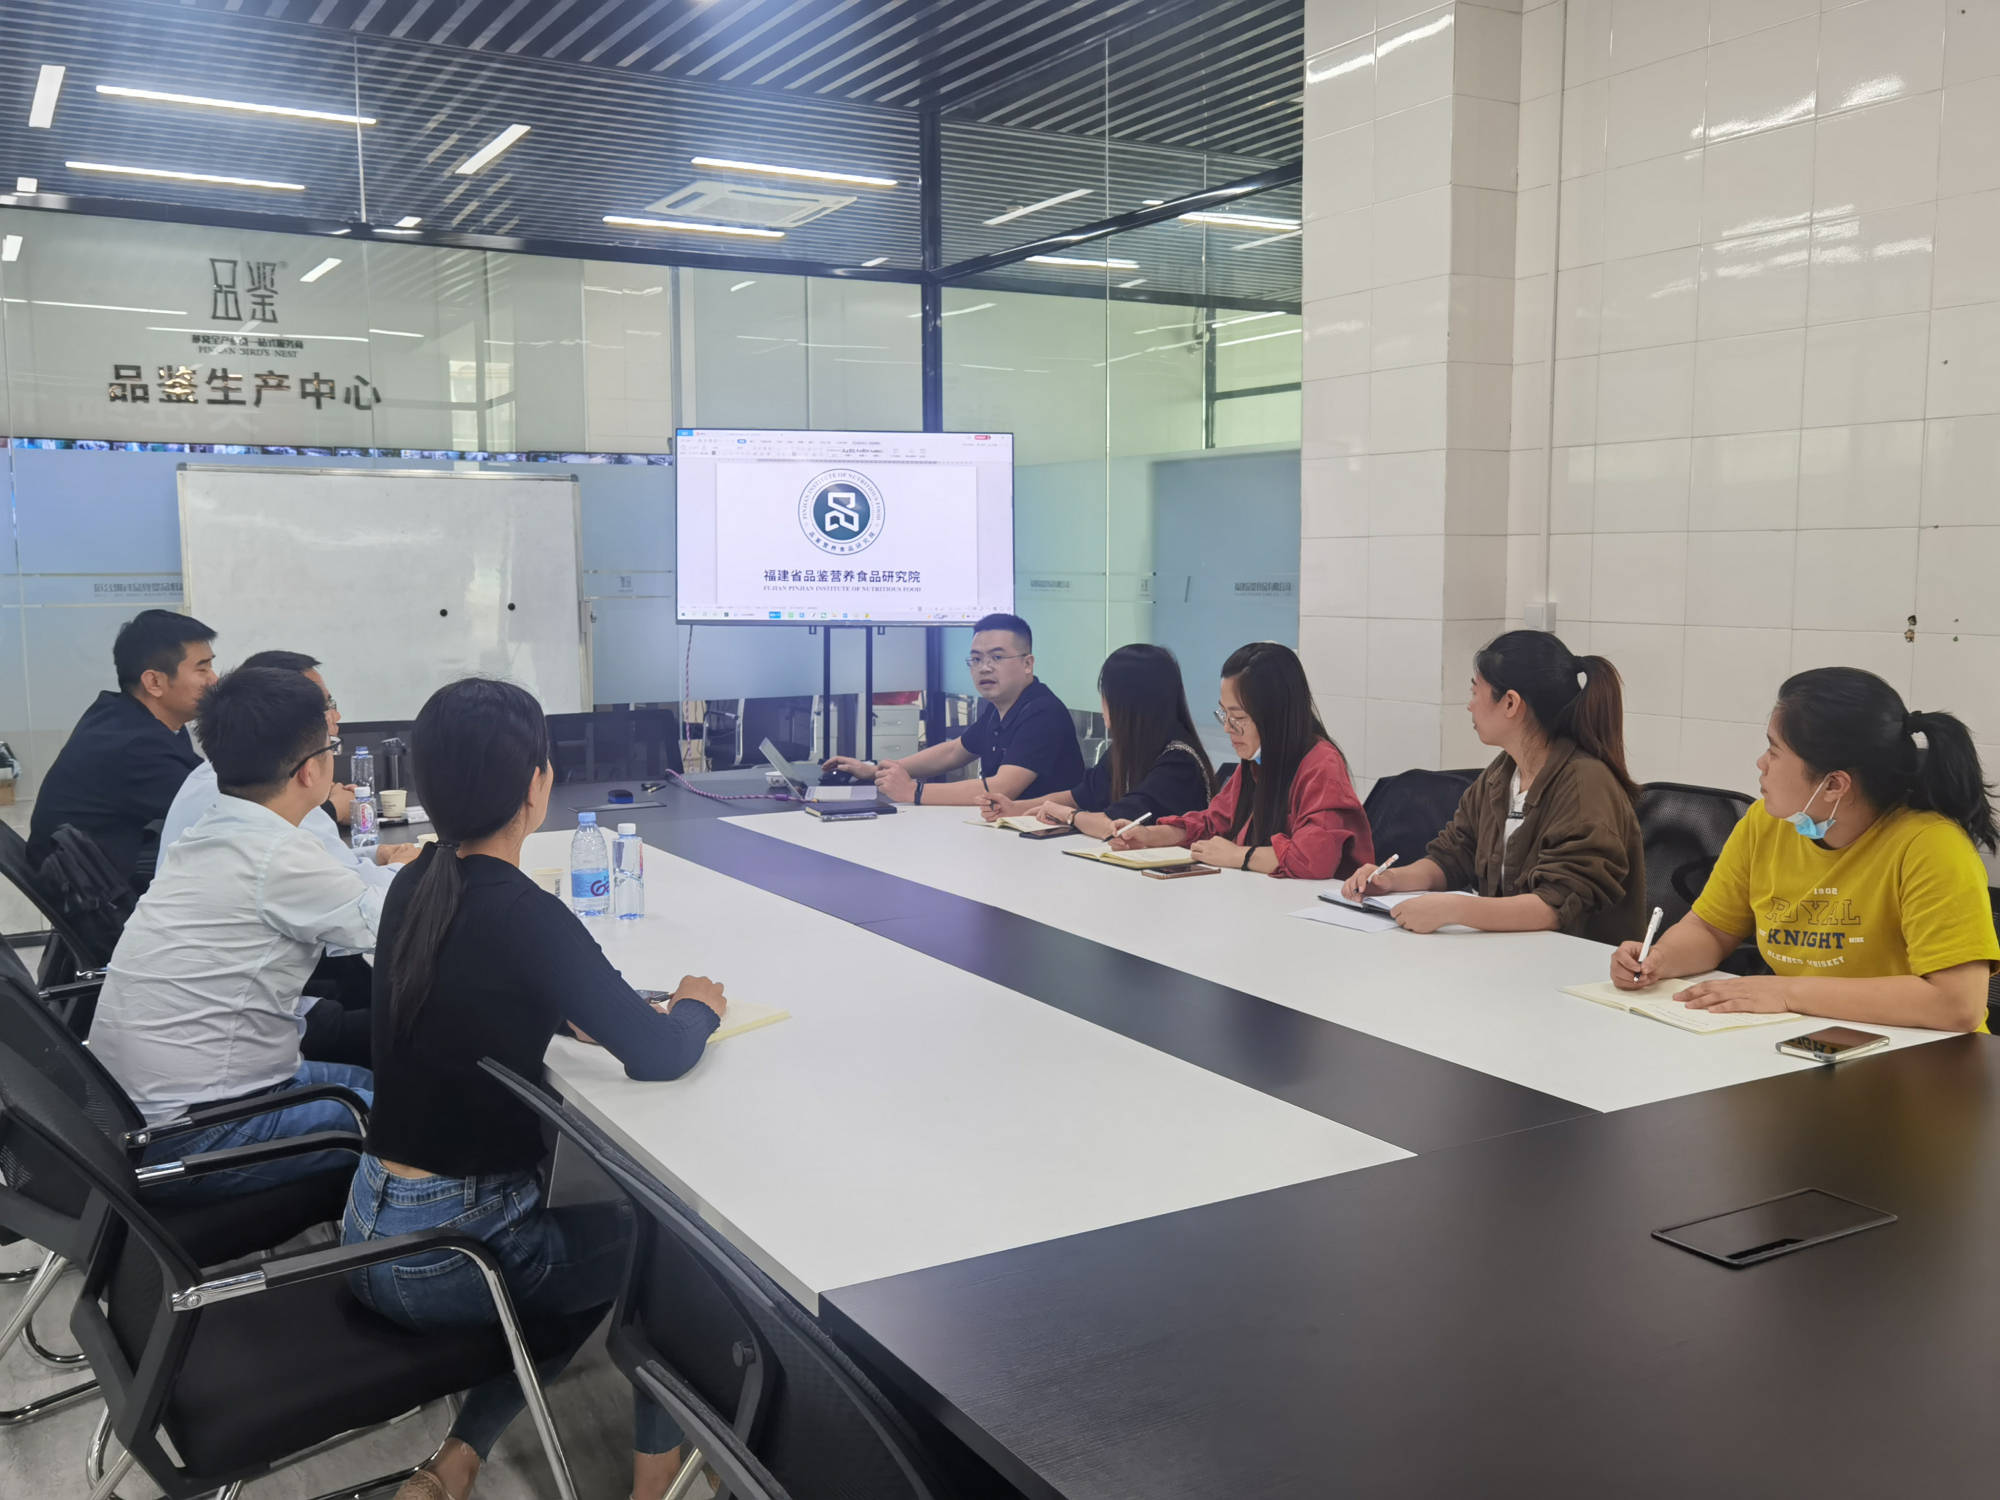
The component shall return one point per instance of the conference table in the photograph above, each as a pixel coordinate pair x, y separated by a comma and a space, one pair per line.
1143, 1188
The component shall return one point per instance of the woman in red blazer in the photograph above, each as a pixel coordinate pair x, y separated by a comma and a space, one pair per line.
1290, 809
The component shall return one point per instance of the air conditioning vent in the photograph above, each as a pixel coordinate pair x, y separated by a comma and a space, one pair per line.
754, 207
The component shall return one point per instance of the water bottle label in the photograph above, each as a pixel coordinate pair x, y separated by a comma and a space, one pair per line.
589, 885
362, 819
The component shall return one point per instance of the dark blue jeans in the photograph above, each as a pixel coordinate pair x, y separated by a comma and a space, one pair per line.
556, 1261
276, 1124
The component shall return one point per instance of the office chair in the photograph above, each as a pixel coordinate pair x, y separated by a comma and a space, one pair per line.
1406, 811
242, 1224
240, 1368
1683, 829
84, 923
805, 1412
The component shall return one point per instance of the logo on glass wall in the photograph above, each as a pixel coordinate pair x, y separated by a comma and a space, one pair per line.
259, 282
841, 512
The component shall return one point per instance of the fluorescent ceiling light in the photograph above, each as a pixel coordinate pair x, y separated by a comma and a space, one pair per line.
1257, 338
42, 113
681, 226
1035, 208
491, 149
395, 333
804, 174
27, 185
1239, 221
742, 284
976, 307
165, 312
1112, 264
1135, 281
321, 269
408, 221
1269, 239
870, 264
1153, 202
1246, 318
395, 231
10, 247
205, 102
251, 182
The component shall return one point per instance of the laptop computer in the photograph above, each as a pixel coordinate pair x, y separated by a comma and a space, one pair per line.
852, 800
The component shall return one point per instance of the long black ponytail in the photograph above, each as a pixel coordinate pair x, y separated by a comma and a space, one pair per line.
1845, 719
474, 751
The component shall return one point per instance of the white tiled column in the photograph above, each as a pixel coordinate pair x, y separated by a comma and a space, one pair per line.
1411, 126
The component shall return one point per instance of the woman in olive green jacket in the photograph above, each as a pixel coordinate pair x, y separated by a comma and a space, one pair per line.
1547, 836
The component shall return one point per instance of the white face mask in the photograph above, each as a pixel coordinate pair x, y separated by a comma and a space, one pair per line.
1803, 822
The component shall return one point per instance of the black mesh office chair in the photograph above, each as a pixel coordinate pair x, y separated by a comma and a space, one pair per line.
79, 946
226, 1229
1683, 829
1406, 811
814, 1422
240, 1368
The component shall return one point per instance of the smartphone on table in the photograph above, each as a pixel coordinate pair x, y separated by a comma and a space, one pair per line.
1835, 1044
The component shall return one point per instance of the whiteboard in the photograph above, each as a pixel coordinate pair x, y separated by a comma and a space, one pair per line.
398, 580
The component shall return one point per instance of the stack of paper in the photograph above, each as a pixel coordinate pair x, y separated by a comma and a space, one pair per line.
1024, 824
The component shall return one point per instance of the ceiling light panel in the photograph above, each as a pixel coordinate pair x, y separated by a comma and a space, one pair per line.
485, 155
802, 174
48, 88
1039, 206
211, 179
240, 106
682, 226
10, 247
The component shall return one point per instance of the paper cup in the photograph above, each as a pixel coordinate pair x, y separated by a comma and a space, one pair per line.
395, 804
551, 880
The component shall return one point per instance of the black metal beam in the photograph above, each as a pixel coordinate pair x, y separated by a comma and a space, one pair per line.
1138, 218
930, 225
353, 232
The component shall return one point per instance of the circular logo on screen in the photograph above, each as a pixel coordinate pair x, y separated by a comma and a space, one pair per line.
841, 512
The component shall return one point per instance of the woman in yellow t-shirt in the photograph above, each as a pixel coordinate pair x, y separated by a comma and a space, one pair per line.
1856, 873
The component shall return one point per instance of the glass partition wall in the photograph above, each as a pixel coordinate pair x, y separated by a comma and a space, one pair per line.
1149, 370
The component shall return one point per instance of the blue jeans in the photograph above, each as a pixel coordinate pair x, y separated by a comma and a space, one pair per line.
555, 1261
272, 1125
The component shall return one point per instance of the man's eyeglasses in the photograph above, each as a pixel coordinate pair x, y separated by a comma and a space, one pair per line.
979, 659
1236, 721
333, 748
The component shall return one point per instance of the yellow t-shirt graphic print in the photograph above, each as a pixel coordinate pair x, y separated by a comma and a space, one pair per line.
1907, 897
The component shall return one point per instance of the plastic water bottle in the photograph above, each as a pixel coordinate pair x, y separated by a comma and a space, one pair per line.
628, 873
361, 820
589, 869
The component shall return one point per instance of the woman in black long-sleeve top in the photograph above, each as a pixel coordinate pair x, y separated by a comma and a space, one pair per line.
1155, 765
475, 960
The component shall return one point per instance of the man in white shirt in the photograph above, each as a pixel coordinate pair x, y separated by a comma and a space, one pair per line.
337, 1027
201, 1003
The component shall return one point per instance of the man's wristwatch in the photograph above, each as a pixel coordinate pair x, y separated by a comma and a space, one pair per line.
917, 797
1247, 853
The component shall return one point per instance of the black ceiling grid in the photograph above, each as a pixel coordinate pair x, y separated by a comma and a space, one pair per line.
1128, 100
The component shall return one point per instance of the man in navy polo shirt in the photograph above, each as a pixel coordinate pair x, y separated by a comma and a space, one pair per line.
1023, 738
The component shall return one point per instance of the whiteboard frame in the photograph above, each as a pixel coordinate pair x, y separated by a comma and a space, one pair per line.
586, 617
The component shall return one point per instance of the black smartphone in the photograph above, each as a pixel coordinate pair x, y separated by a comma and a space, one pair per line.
1835, 1044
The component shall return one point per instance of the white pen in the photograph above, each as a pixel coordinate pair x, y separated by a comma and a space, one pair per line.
1378, 870
1652, 931
1129, 826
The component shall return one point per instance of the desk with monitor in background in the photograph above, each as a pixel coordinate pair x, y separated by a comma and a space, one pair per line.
982, 1183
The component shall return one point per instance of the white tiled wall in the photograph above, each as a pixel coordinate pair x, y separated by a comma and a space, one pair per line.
1763, 240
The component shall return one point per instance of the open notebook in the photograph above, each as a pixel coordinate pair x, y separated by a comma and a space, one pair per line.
1657, 1003
1136, 859
1025, 824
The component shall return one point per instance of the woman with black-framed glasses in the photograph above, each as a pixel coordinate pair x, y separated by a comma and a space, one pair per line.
1290, 809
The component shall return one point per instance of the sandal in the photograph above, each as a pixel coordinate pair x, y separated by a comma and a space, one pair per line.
423, 1485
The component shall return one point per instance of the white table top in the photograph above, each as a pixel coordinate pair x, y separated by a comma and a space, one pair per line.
910, 1113
1490, 1001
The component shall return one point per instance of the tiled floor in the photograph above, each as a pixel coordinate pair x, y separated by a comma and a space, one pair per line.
591, 1402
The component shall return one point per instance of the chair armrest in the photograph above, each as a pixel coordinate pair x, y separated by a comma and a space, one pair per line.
204, 1115
338, 1260
73, 989
223, 1159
